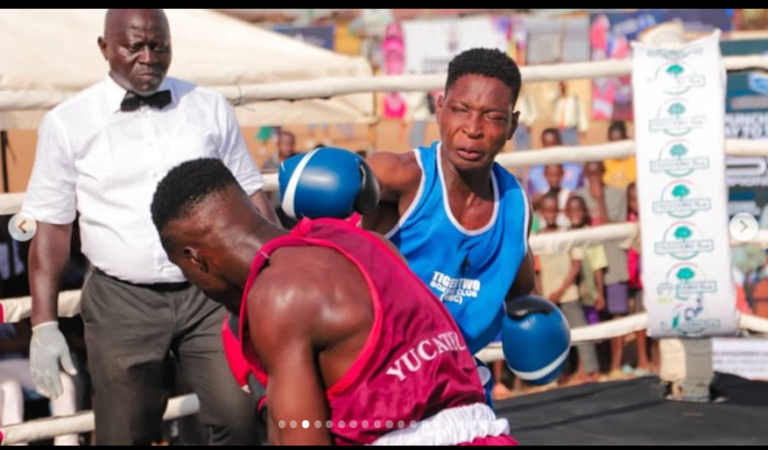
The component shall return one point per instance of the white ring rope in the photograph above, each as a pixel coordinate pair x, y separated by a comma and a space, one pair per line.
17, 309
11, 203
20, 308
336, 86
13, 310
83, 422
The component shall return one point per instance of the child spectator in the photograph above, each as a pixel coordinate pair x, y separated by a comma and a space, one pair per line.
559, 272
590, 289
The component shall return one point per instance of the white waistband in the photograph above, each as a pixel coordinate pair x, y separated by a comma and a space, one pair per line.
452, 426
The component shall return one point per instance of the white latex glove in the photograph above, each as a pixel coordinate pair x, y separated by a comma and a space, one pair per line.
47, 353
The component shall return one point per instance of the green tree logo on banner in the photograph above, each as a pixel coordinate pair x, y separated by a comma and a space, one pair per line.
675, 70
678, 150
676, 109
685, 274
681, 191
683, 233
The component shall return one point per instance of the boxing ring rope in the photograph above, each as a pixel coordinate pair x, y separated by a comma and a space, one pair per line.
14, 310
83, 422
11, 203
336, 86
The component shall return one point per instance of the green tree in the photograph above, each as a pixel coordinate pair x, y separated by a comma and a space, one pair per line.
675, 70
678, 150
681, 191
676, 109
683, 233
685, 274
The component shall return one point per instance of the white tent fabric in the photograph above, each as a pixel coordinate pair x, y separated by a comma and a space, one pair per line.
52, 53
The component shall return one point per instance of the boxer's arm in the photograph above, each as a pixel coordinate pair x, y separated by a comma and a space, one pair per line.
392, 171
399, 177
281, 321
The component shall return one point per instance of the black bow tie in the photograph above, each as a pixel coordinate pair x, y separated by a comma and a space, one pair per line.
133, 101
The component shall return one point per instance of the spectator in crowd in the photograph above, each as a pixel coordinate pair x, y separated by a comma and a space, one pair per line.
558, 275
619, 173
573, 173
286, 147
591, 287
571, 117
529, 114
554, 174
609, 205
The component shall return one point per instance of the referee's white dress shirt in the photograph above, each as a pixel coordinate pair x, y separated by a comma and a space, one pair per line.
105, 164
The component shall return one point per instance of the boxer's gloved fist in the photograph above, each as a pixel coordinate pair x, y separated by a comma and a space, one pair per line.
48, 351
327, 182
536, 339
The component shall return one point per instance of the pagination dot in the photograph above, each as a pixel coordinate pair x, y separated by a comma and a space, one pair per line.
377, 424
340, 424
305, 424
413, 424
293, 424
328, 424
281, 424
400, 424
353, 424
318, 424
365, 424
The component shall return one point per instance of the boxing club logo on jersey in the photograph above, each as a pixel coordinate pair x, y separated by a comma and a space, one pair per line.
454, 289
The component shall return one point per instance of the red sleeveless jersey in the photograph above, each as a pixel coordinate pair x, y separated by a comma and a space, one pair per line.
414, 363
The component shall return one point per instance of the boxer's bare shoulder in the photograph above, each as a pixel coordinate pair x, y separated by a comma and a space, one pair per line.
398, 174
309, 316
399, 178
317, 296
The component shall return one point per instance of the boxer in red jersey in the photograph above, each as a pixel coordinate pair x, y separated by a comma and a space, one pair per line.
352, 347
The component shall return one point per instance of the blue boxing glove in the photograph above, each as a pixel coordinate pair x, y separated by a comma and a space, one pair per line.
327, 182
536, 339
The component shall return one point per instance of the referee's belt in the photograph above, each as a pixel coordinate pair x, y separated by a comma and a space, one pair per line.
158, 287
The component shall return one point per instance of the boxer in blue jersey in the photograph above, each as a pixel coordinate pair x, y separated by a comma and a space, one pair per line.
460, 219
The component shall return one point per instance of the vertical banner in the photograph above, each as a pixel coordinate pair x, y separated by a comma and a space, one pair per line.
679, 108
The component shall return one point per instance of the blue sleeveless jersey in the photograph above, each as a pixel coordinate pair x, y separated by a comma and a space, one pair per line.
470, 271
